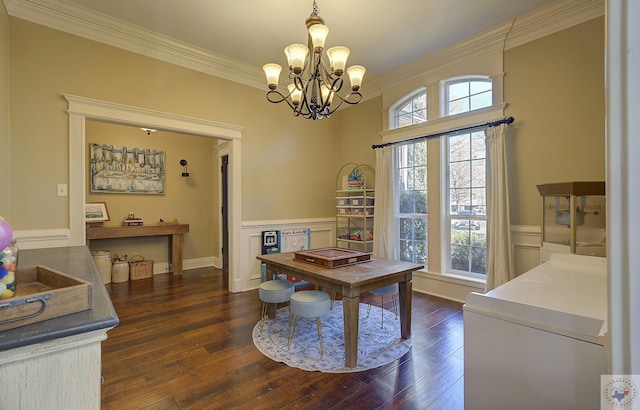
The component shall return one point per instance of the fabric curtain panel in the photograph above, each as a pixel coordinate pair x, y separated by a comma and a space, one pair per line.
500, 266
384, 225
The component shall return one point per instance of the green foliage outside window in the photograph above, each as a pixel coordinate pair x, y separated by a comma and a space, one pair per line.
469, 252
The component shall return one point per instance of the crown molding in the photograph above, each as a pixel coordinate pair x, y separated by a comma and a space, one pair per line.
94, 26
85, 23
539, 23
552, 18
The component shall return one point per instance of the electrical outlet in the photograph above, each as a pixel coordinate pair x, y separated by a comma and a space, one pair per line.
62, 189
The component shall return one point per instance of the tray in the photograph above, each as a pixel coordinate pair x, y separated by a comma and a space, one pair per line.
332, 257
43, 293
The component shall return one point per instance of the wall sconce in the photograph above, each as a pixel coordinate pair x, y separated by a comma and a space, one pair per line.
185, 173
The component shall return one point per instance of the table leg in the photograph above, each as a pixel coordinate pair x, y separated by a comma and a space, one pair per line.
404, 290
176, 253
351, 309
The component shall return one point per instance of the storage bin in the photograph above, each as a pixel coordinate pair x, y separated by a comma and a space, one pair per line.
120, 271
140, 268
102, 259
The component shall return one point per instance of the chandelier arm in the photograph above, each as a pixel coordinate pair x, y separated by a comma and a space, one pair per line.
281, 98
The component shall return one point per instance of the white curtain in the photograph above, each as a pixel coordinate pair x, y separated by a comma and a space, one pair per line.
384, 225
500, 268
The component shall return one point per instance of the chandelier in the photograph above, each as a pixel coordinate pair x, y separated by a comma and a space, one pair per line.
313, 91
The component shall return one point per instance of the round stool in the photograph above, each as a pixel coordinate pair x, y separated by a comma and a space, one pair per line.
273, 291
311, 304
385, 290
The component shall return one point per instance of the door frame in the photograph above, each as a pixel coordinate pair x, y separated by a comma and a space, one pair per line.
82, 109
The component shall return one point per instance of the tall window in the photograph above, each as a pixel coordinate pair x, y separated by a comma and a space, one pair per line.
461, 193
412, 109
467, 94
411, 218
466, 178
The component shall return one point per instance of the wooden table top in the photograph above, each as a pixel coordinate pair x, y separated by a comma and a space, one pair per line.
361, 274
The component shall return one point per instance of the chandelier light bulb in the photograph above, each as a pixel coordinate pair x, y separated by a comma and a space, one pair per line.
296, 95
272, 71
296, 56
318, 33
338, 59
356, 74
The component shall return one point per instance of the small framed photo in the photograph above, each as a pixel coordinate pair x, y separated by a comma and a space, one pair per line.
96, 212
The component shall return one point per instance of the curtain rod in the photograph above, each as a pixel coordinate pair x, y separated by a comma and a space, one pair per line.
439, 134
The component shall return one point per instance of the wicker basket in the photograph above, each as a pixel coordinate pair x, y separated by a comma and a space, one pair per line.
140, 268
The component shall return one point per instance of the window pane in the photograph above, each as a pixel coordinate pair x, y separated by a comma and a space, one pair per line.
404, 120
406, 228
479, 86
411, 111
467, 95
481, 100
421, 202
459, 148
478, 173
467, 203
411, 218
458, 90
458, 106
420, 178
459, 175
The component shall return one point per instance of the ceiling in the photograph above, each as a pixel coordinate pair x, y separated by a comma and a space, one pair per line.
381, 34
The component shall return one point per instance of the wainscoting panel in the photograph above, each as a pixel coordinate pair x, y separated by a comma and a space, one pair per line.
323, 234
525, 245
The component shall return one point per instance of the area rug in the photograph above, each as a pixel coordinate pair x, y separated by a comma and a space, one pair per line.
376, 346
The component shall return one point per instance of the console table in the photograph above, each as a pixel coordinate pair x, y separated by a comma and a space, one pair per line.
174, 231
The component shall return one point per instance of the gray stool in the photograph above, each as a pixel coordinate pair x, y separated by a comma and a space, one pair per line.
311, 304
385, 290
273, 291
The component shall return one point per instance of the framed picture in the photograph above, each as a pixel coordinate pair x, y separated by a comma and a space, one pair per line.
96, 212
126, 170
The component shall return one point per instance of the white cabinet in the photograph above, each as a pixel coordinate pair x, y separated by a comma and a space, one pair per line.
355, 204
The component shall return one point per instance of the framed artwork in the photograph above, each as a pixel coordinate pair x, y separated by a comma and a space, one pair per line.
96, 212
126, 170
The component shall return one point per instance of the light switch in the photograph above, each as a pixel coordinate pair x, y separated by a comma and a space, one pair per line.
62, 189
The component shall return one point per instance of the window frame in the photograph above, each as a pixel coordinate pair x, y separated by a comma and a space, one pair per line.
449, 217
445, 92
394, 109
412, 216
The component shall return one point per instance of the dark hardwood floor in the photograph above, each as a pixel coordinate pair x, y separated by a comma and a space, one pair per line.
184, 342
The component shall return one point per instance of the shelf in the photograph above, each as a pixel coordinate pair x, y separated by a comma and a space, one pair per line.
355, 207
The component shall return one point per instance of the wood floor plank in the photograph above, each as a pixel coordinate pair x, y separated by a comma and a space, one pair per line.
185, 342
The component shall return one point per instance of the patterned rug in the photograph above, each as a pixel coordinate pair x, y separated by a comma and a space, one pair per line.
376, 346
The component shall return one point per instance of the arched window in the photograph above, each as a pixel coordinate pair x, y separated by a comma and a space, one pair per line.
464, 94
411, 109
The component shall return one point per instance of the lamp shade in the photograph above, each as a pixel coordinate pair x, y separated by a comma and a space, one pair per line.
327, 94
296, 95
272, 71
296, 56
356, 74
318, 33
338, 59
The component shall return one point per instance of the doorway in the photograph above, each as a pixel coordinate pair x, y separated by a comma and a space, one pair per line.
224, 175
82, 109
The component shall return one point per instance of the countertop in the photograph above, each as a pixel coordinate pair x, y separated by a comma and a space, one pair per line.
76, 261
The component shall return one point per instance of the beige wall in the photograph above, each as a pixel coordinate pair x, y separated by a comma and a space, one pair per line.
5, 205
192, 200
357, 129
555, 90
553, 86
286, 161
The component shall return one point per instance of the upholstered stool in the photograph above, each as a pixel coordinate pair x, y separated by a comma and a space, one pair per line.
273, 291
311, 304
385, 290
